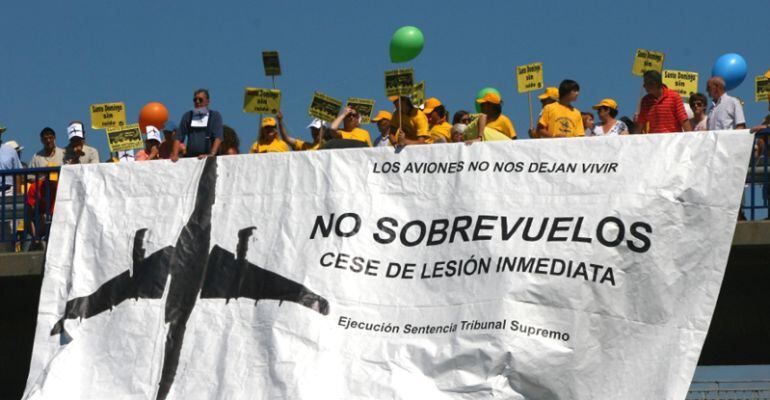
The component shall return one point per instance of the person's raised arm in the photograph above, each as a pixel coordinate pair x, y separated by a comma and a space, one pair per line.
334, 128
283, 131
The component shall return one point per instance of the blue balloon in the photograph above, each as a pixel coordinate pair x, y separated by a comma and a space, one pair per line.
732, 68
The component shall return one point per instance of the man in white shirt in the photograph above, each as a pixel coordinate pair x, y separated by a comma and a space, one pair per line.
726, 111
8, 160
51, 155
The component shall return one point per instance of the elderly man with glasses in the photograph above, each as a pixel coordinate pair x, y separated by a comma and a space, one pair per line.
726, 111
201, 128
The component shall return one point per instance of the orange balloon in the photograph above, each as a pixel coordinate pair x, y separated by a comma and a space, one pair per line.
154, 114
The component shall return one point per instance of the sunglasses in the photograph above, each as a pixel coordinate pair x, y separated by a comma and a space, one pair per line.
698, 104
197, 100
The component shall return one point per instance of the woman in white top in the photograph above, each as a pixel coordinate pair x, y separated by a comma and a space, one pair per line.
699, 120
607, 110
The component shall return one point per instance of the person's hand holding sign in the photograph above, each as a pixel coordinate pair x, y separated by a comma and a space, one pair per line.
282, 129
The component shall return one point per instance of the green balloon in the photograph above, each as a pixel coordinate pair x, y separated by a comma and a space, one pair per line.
482, 93
406, 44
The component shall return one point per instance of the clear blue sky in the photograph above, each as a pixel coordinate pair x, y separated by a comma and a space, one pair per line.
57, 57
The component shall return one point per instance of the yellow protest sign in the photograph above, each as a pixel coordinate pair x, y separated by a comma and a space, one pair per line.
108, 115
529, 77
683, 82
125, 138
399, 82
261, 101
271, 62
364, 108
647, 60
418, 94
324, 107
761, 88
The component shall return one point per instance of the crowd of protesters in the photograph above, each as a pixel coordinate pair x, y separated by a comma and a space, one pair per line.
201, 132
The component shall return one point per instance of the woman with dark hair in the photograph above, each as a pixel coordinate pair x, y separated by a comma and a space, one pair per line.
230, 141
461, 117
699, 120
492, 107
629, 123
607, 110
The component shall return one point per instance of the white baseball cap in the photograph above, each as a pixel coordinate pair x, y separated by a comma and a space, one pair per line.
153, 133
12, 144
75, 129
316, 123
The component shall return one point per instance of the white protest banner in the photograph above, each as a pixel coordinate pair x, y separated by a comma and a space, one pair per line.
561, 269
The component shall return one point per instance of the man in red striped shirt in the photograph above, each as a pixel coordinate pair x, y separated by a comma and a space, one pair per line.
662, 110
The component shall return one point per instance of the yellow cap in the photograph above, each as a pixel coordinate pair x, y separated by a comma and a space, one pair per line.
767, 74
430, 104
392, 98
268, 121
606, 103
382, 115
489, 98
550, 92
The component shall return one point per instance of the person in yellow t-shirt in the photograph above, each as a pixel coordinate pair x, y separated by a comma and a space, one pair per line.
561, 119
492, 107
350, 121
268, 141
549, 95
411, 120
316, 131
439, 129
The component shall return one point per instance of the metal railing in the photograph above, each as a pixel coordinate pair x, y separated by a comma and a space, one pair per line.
758, 389
755, 199
27, 198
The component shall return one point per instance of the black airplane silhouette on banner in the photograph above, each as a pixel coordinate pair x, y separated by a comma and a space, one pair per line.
194, 272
